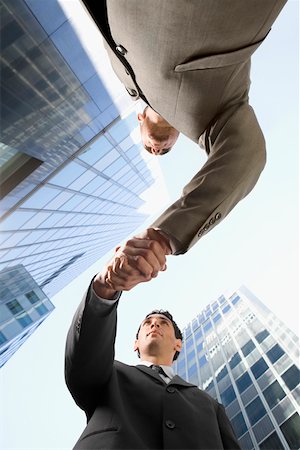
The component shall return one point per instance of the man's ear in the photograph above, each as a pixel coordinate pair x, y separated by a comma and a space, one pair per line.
178, 345
141, 117
135, 347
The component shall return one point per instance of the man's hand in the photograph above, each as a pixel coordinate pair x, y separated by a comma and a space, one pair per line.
137, 261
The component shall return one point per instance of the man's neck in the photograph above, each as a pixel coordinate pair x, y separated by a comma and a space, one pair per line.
158, 361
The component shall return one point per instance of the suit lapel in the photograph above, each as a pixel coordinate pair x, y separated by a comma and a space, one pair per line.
181, 382
150, 372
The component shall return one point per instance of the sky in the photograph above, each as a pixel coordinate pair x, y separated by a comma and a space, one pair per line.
257, 245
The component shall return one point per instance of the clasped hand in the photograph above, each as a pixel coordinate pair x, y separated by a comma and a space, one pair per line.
137, 261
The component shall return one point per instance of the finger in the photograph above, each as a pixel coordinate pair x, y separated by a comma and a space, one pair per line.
134, 247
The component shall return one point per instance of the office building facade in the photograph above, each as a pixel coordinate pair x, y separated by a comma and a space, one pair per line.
23, 307
241, 354
73, 172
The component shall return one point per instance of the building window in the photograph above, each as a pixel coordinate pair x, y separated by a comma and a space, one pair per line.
32, 297
291, 377
42, 310
207, 326
202, 361
262, 335
216, 317
235, 360
255, 410
248, 348
275, 353
236, 299
24, 320
226, 309
14, 307
259, 368
200, 347
239, 425
223, 372
228, 396
189, 342
243, 382
2, 338
272, 442
273, 394
291, 431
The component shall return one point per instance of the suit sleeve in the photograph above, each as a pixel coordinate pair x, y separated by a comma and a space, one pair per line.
237, 156
229, 439
89, 351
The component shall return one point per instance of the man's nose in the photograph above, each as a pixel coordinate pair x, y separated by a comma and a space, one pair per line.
155, 324
155, 150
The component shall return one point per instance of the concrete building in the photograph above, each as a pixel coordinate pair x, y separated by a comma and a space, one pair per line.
239, 352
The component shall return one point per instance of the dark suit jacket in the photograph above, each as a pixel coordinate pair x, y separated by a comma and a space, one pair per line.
190, 61
131, 407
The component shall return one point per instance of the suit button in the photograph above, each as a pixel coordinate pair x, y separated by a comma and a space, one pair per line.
170, 424
212, 221
171, 390
132, 92
200, 232
120, 49
206, 227
218, 216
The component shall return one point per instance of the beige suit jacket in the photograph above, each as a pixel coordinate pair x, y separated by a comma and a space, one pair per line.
190, 61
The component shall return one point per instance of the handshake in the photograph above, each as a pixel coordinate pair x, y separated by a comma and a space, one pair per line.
138, 260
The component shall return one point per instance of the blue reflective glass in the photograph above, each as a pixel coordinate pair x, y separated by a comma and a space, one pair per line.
226, 309
239, 424
243, 382
24, 320
189, 342
202, 361
42, 310
272, 442
262, 335
198, 334
68, 174
223, 372
119, 131
2, 338
275, 353
248, 347
207, 326
291, 431
291, 377
96, 151
235, 299
41, 197
255, 410
192, 369
115, 167
273, 394
188, 331
199, 347
235, 360
69, 45
216, 318
98, 93
259, 368
83, 180
228, 396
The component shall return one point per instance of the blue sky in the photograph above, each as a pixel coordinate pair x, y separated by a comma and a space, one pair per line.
256, 245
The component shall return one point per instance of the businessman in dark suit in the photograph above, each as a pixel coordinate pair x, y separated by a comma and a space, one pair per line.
189, 60
136, 407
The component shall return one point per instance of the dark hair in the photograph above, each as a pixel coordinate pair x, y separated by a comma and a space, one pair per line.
177, 331
165, 150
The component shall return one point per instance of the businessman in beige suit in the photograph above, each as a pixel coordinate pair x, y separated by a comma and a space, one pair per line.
189, 60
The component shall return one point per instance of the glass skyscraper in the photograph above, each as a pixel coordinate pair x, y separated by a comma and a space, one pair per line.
72, 170
241, 354
23, 307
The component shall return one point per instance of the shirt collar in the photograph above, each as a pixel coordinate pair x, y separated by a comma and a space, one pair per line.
167, 369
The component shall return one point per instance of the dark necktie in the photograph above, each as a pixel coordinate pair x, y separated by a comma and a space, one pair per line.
158, 369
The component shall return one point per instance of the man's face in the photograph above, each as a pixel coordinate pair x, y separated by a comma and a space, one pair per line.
157, 134
156, 338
